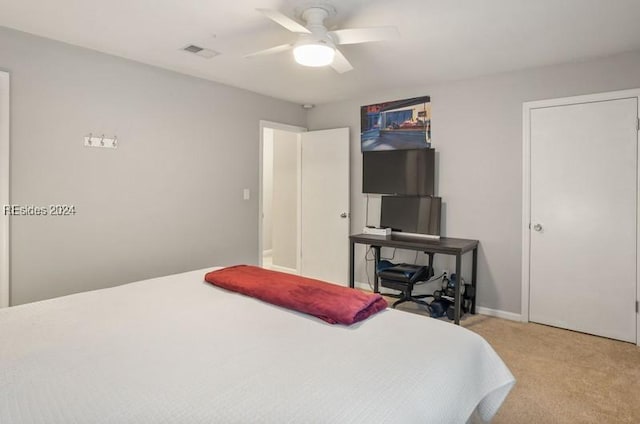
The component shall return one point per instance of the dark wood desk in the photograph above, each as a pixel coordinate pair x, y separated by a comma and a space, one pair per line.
445, 245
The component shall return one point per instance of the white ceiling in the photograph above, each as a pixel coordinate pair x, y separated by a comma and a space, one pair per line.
439, 39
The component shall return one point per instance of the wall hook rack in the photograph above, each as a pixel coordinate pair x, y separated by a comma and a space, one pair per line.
100, 141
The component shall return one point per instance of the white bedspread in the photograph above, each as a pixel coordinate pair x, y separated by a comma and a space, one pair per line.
178, 350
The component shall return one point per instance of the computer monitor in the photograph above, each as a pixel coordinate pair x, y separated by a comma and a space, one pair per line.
412, 216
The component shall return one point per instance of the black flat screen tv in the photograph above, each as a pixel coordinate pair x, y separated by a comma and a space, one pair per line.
408, 172
411, 215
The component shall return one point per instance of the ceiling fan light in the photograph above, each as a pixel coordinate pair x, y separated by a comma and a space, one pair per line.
315, 55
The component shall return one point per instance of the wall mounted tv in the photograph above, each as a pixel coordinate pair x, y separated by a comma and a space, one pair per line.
408, 172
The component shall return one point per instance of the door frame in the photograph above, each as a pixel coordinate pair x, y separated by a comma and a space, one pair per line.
284, 127
527, 107
4, 188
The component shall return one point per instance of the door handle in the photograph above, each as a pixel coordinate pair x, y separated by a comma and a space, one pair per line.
537, 227
344, 215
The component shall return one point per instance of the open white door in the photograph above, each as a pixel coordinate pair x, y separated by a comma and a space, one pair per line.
325, 205
4, 189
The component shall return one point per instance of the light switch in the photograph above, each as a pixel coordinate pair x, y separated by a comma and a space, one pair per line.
246, 194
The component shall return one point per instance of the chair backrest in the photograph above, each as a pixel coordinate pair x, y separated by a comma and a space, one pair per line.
405, 273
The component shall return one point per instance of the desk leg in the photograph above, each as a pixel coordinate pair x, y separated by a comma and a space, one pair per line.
352, 252
458, 300
474, 276
376, 254
431, 255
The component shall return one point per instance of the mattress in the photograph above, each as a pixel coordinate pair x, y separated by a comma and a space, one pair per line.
178, 350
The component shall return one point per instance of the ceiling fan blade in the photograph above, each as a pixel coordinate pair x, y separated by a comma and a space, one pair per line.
284, 20
364, 35
272, 50
340, 63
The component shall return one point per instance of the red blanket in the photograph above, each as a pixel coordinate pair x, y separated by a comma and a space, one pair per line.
329, 302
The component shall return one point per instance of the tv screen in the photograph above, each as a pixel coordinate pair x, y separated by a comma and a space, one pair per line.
409, 172
411, 214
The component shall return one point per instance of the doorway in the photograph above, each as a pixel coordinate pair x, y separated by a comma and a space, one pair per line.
4, 189
304, 201
580, 213
281, 187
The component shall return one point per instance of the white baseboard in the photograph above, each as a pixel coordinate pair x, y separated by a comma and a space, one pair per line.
498, 313
267, 252
283, 269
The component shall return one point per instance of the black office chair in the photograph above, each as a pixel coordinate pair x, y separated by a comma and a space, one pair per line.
403, 277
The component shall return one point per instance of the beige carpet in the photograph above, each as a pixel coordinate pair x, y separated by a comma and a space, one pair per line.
562, 376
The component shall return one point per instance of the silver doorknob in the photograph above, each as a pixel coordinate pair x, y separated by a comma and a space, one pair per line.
344, 215
537, 227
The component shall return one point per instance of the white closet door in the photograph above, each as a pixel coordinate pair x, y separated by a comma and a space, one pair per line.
584, 217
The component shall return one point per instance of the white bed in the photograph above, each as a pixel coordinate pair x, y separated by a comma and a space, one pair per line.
178, 350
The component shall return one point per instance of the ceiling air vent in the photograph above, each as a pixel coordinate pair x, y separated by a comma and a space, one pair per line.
200, 51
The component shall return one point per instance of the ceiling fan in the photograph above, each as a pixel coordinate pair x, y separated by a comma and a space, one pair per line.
316, 45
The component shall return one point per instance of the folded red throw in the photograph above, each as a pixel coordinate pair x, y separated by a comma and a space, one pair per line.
329, 302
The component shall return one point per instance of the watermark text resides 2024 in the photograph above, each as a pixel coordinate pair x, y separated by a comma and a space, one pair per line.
32, 210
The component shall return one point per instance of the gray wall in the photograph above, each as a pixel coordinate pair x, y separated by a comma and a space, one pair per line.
477, 132
284, 210
169, 199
